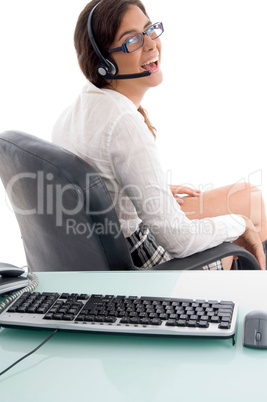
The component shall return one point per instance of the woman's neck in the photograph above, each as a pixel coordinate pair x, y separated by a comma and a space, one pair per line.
130, 91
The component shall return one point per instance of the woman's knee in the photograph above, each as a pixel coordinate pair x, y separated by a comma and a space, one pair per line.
246, 199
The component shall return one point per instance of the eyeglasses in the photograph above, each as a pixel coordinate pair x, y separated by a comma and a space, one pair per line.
137, 41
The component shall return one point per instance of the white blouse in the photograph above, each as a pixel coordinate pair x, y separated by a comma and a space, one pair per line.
104, 128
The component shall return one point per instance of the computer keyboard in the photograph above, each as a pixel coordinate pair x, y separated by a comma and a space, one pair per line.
122, 314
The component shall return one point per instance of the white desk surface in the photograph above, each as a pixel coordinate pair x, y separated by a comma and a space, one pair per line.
100, 368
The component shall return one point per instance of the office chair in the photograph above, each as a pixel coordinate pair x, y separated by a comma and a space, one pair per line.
66, 216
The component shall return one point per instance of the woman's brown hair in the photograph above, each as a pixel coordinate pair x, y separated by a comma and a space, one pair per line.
106, 21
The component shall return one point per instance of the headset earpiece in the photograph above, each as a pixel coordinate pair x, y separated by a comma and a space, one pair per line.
109, 68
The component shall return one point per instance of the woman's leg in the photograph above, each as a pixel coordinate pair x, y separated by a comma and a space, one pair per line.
241, 198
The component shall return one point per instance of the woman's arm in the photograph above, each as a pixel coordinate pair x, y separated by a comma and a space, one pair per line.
136, 166
177, 191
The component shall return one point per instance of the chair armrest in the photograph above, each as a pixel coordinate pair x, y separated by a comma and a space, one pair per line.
198, 260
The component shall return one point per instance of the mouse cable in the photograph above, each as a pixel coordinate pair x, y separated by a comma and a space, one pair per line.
30, 353
30, 288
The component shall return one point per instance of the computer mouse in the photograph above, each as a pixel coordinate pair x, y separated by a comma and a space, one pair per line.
8, 270
255, 330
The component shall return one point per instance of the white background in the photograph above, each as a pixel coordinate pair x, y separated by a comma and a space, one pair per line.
210, 111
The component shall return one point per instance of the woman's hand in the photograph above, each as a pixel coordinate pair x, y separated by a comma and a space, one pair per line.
250, 240
178, 190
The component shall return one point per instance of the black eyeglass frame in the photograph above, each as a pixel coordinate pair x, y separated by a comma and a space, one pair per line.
123, 47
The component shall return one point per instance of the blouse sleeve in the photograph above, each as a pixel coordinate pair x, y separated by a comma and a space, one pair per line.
136, 166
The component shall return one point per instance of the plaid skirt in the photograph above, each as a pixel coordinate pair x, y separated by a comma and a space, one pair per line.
146, 252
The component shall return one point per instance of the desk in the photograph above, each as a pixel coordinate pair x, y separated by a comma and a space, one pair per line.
100, 368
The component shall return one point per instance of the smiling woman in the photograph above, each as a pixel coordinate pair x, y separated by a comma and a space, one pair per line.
119, 52
146, 54
135, 42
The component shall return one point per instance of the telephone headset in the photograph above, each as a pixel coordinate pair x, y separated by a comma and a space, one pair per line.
107, 68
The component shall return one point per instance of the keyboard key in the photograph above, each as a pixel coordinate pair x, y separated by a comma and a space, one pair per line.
154, 315
133, 314
226, 319
80, 318
41, 310
224, 325
224, 315
68, 317
225, 310
125, 320
180, 310
65, 296
134, 320
216, 306
166, 303
22, 309
121, 314
49, 316
90, 318
210, 314
215, 319
163, 316
99, 318
228, 303
204, 318
188, 309
156, 321
58, 316
192, 323
12, 309
181, 323
110, 319
83, 297
185, 304
203, 324
170, 323
145, 321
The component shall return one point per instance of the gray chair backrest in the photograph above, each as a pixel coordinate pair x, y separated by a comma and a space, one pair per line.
65, 213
